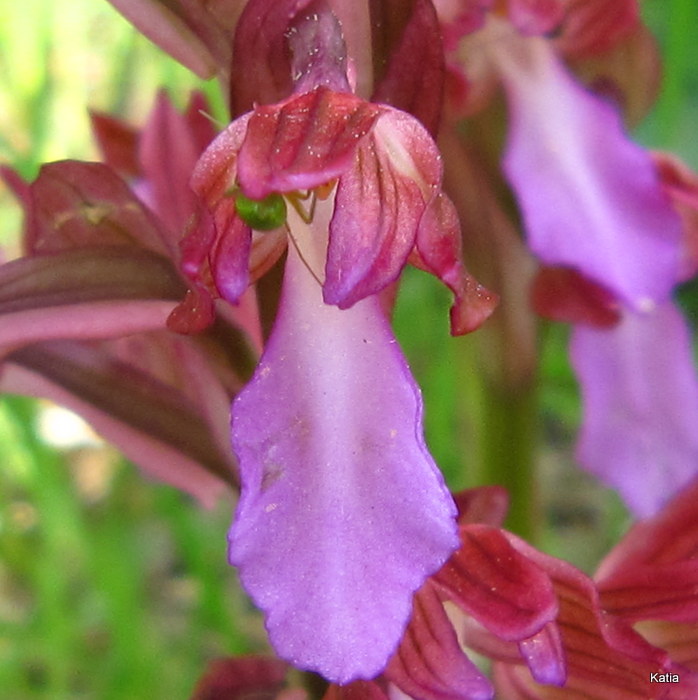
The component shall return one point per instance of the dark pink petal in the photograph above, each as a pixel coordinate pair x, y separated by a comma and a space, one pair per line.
216, 171
485, 504
195, 33
194, 313
19, 187
168, 153
680, 641
358, 690
536, 16
668, 537
429, 663
640, 394
664, 592
242, 678
413, 80
605, 658
75, 204
652, 574
382, 204
199, 121
152, 424
230, 260
438, 251
502, 589
261, 69
216, 251
118, 143
319, 55
681, 184
90, 292
377, 211
343, 514
304, 142
563, 294
591, 199
595, 26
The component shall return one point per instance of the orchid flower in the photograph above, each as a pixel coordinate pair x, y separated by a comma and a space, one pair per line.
599, 215
636, 371
328, 432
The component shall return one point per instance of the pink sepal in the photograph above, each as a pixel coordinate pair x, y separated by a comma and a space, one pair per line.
241, 678
429, 663
502, 589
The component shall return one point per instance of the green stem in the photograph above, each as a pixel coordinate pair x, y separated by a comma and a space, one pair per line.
502, 431
677, 62
509, 442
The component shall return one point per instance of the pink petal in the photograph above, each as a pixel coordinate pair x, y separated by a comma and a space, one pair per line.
118, 143
563, 294
343, 514
358, 690
429, 663
640, 393
58, 373
669, 536
388, 199
591, 199
303, 142
197, 115
218, 245
605, 658
681, 185
319, 54
414, 60
91, 292
168, 153
490, 580
652, 573
373, 229
594, 26
459, 18
438, 251
666, 592
75, 204
485, 504
261, 69
186, 29
241, 678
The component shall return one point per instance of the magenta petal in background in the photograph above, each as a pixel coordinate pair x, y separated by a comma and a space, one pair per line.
343, 513
591, 198
640, 394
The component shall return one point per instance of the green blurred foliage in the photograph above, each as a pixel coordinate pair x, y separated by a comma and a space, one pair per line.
110, 587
